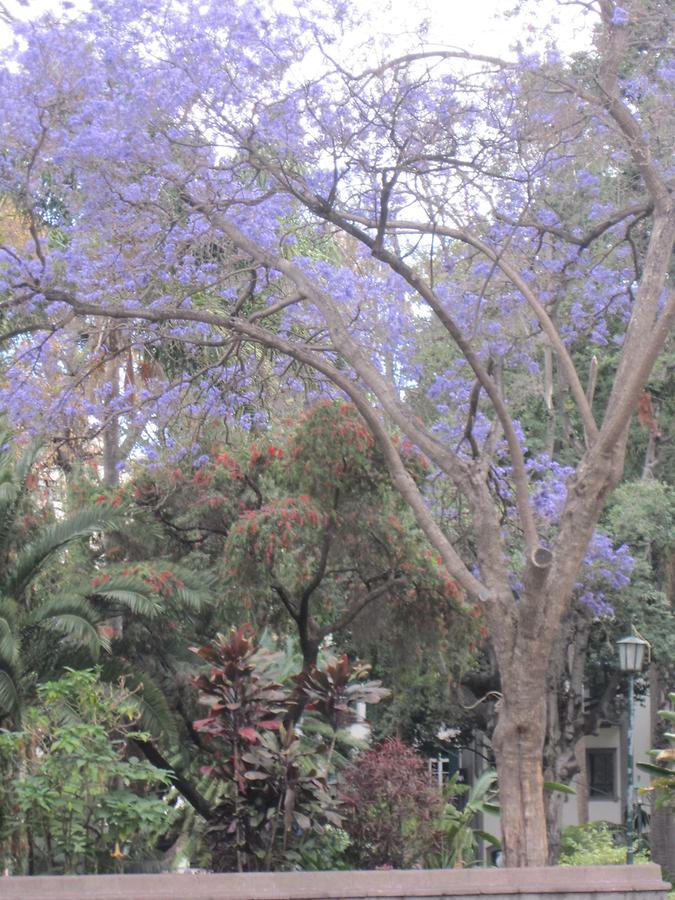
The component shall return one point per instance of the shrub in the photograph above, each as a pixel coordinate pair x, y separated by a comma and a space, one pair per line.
593, 844
391, 810
662, 770
77, 798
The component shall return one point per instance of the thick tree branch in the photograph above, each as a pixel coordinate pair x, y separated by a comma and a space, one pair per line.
318, 576
186, 788
401, 478
285, 598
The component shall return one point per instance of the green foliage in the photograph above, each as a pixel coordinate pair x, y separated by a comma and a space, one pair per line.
642, 514
51, 538
278, 541
593, 844
459, 836
64, 599
79, 801
333, 690
425, 702
39, 629
328, 853
332, 447
308, 535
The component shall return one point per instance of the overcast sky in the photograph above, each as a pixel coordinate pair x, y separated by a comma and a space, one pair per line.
471, 24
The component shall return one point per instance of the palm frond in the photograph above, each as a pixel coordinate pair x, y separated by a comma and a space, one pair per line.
190, 597
192, 589
185, 587
141, 604
8, 491
9, 609
74, 617
77, 629
126, 589
50, 539
9, 643
9, 695
63, 604
13, 476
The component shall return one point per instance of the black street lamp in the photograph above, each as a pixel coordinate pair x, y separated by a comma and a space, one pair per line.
631, 657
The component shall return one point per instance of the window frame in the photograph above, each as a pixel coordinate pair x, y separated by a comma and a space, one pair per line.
610, 754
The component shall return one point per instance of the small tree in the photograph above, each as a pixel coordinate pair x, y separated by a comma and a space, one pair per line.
459, 835
331, 538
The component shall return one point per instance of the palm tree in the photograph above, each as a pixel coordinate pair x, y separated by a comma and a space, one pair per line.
51, 614
34, 628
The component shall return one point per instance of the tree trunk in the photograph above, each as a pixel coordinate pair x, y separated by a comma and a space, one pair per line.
518, 742
565, 716
553, 804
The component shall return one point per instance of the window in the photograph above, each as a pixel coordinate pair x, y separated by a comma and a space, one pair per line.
601, 768
442, 768
439, 770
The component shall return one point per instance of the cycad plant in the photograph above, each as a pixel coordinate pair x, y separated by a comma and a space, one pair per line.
55, 600
38, 627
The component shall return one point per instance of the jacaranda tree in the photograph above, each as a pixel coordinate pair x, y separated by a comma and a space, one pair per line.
232, 177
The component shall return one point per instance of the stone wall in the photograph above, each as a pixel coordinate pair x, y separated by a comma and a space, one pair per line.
578, 883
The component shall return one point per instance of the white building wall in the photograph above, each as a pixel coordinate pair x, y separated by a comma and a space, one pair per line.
611, 737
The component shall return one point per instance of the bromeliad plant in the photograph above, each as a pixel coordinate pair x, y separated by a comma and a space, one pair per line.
274, 793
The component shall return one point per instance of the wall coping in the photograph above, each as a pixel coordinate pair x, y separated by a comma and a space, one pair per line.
585, 881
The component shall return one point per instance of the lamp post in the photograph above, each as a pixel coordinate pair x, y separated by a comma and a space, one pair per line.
631, 656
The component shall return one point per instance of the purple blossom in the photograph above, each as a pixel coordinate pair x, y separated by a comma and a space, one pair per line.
620, 16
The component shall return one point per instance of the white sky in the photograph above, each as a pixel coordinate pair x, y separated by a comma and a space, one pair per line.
471, 24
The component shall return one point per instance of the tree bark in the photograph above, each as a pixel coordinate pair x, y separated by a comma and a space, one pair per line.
518, 743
